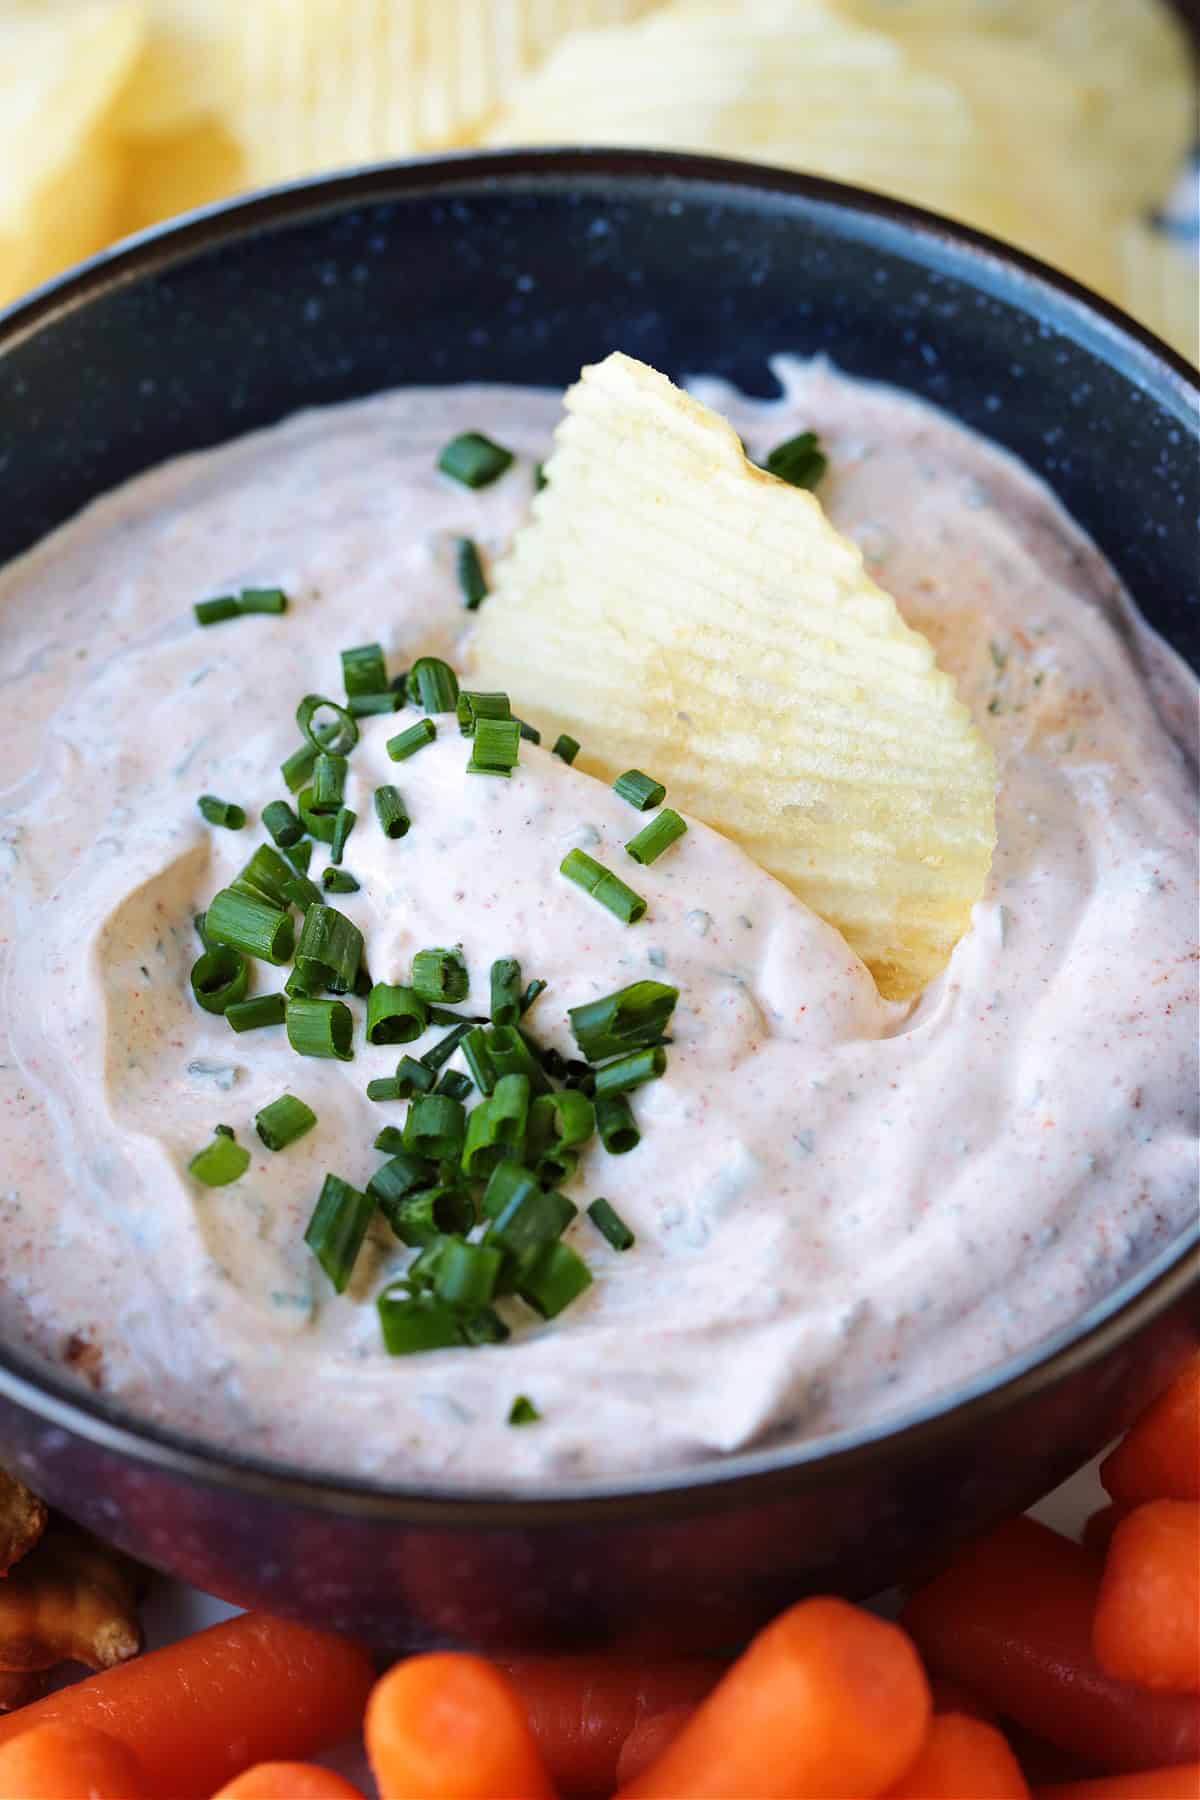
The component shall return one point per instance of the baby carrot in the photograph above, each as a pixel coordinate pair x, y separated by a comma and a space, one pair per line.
288, 1781
1180, 1782
647, 1741
952, 1697
65, 1762
1159, 1459
1147, 1624
452, 1727
583, 1708
1012, 1618
962, 1759
827, 1702
197, 1711
1099, 1526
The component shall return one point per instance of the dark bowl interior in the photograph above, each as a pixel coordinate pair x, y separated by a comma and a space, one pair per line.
520, 268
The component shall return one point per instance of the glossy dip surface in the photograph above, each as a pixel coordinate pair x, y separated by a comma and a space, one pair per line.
841, 1205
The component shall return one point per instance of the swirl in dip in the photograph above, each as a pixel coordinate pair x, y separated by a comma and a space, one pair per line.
841, 1205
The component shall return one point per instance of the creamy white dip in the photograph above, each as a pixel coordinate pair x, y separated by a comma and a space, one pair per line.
841, 1206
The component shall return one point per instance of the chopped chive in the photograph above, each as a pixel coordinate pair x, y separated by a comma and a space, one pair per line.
413, 1077
320, 1028
362, 981
510, 1054
420, 1215
532, 992
384, 1087
201, 929
603, 886
283, 1121
300, 855
343, 824
328, 783
337, 1228
471, 579
219, 978
262, 600
630, 1071
456, 1084
446, 1015
301, 892
252, 926
213, 612
529, 732
640, 790
539, 477
484, 1326
440, 975
633, 1018
329, 950
265, 876
395, 1015
474, 460
466, 1273
224, 1131
364, 670
282, 823
444, 1049
532, 1219
365, 706
616, 1125
523, 1411
555, 1277
318, 825
297, 767
495, 1129
294, 988
435, 1127
390, 1139
799, 461
220, 1162
656, 837
475, 1054
554, 1063
473, 704
401, 1174
222, 812
338, 881
495, 747
433, 685
412, 1324
507, 1181
580, 1075
562, 1119
506, 990
389, 810
422, 1271
566, 747
338, 736
554, 1167
253, 1015
399, 683
407, 743
611, 1225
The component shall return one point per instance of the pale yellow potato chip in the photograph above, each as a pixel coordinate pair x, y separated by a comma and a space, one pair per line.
184, 74
1161, 285
679, 610
76, 217
780, 81
175, 172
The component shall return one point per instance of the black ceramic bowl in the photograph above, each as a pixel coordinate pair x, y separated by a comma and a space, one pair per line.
520, 268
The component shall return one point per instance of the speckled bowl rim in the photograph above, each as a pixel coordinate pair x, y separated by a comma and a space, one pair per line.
1165, 1282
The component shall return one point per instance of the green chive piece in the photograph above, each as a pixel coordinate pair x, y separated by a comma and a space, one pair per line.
532, 992
466, 1274
338, 736
474, 460
212, 612
413, 1077
283, 1121
562, 1119
475, 1055
220, 1162
253, 1015
407, 743
656, 837
473, 704
485, 1326
456, 1084
222, 812
390, 811
300, 891
390, 1140
611, 1225
384, 1087
395, 1015
329, 951
282, 823
506, 1183
440, 975
529, 732
433, 685
262, 600
629, 1072
198, 923
420, 1216
300, 855
640, 790
539, 477
343, 825
554, 1167
294, 988
523, 1411
224, 1131
444, 1049
320, 1028
338, 881
566, 747
446, 1015
509, 1054
328, 783
412, 1324
364, 670
603, 886
265, 876
800, 461
365, 706
337, 1228
633, 1018
401, 1174
219, 978
506, 990
495, 1129
531, 1221
399, 683
297, 767
320, 825
435, 1127
252, 926
555, 1277
495, 747
616, 1125
471, 579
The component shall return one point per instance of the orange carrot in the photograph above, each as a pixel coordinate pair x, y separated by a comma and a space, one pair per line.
1147, 1623
1160, 1458
1099, 1527
69, 1762
952, 1697
647, 1741
452, 1727
583, 1708
827, 1702
1180, 1782
962, 1759
197, 1712
288, 1781
1012, 1618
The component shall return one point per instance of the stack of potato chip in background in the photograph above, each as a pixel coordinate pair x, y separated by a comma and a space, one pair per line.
1058, 125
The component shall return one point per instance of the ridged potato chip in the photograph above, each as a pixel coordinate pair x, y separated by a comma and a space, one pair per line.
183, 75
681, 611
1161, 285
